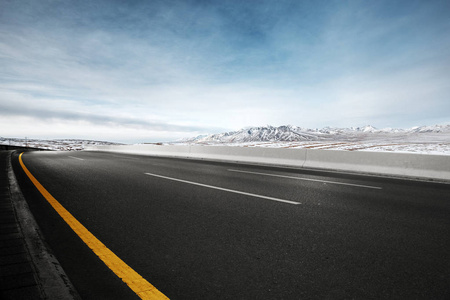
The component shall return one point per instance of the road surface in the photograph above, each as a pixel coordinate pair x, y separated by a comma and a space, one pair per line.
209, 230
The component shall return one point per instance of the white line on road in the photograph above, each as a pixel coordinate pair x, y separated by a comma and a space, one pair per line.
224, 189
308, 179
76, 157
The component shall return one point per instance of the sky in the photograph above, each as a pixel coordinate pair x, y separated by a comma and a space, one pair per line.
151, 71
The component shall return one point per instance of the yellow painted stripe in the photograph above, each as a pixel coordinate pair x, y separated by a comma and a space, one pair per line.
135, 281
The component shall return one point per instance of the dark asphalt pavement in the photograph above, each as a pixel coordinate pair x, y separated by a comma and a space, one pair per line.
373, 238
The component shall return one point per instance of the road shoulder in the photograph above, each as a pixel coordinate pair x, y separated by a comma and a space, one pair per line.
53, 281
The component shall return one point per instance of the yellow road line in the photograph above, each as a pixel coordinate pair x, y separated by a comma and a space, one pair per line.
135, 281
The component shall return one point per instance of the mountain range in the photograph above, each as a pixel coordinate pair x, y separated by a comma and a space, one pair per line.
289, 133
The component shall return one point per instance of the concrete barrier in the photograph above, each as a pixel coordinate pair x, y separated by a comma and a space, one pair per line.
143, 149
421, 166
398, 164
287, 157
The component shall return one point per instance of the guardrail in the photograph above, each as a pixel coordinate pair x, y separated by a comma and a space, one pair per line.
421, 166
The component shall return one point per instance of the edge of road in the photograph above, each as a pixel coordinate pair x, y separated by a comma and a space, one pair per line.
51, 277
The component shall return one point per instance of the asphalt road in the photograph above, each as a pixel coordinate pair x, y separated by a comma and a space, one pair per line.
200, 230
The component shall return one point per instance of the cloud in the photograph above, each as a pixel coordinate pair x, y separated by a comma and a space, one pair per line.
189, 67
65, 111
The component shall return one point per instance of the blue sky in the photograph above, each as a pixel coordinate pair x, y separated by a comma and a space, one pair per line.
146, 71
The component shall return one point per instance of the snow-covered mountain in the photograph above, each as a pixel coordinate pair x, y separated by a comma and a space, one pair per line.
289, 133
267, 133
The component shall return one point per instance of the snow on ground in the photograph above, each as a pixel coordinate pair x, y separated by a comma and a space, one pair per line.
425, 147
60, 145
436, 148
422, 148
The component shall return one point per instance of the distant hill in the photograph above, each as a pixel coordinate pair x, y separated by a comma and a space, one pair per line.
58, 144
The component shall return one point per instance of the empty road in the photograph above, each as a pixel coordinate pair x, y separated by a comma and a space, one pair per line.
208, 230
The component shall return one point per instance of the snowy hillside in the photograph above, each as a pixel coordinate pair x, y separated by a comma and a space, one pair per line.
65, 144
425, 139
